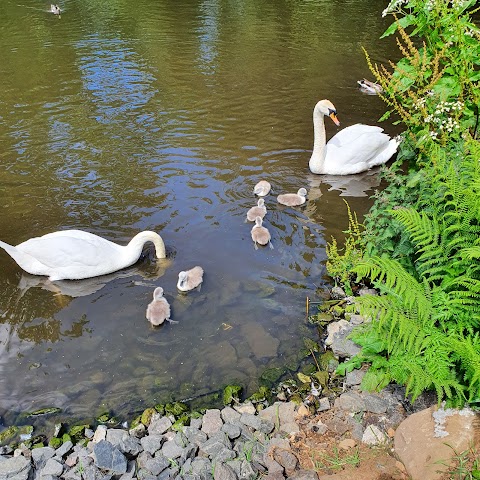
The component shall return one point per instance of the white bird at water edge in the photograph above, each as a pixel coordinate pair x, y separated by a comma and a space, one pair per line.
76, 254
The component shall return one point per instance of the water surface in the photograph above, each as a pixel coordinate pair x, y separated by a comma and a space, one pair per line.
124, 116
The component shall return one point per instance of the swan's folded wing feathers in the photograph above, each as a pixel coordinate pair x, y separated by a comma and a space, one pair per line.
57, 251
352, 133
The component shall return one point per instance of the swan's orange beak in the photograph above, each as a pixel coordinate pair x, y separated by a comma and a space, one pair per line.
335, 119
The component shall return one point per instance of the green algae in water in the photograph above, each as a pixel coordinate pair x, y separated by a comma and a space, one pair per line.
231, 393
146, 416
44, 411
271, 375
176, 408
8, 434
181, 422
55, 442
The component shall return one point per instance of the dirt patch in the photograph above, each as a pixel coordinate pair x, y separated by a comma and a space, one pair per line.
339, 457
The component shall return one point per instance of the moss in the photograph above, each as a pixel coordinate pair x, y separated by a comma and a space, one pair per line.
146, 416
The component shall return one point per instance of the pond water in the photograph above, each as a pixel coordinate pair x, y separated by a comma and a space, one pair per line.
124, 116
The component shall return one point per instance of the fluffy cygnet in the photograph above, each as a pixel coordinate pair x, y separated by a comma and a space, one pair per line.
260, 234
259, 211
190, 279
159, 309
262, 188
293, 199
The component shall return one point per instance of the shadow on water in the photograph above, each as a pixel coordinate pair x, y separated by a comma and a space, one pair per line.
114, 121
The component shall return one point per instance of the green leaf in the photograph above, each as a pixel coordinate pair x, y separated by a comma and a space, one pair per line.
404, 23
303, 378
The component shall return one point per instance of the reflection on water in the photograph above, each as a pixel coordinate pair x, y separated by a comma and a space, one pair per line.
118, 118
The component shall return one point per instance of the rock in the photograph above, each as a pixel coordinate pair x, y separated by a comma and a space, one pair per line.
212, 422
246, 407
323, 404
233, 431
159, 424
15, 468
110, 458
350, 402
338, 293
41, 455
63, 449
374, 403
224, 472
52, 467
171, 450
152, 443
421, 451
100, 434
333, 328
354, 377
229, 415
286, 459
374, 436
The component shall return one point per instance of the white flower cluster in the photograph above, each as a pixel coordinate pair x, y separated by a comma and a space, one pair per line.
429, 4
438, 120
393, 6
458, 3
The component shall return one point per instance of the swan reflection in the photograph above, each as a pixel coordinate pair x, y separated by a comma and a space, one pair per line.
88, 286
349, 185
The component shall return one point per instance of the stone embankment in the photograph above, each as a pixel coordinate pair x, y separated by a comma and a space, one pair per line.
226, 444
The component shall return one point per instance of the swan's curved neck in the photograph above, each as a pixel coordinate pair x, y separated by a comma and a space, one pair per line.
318, 154
138, 241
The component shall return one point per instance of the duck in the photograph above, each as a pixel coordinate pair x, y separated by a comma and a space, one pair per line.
371, 88
260, 234
55, 9
260, 210
352, 150
262, 188
190, 279
158, 310
293, 199
77, 254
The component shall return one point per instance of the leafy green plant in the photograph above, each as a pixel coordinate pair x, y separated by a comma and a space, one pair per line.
340, 265
425, 331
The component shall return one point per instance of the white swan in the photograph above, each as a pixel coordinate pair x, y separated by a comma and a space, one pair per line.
158, 310
55, 9
75, 254
262, 188
352, 150
260, 210
190, 279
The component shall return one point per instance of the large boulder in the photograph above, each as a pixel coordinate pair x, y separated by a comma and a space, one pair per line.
427, 440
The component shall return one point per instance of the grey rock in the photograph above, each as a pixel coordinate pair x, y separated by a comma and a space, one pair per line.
188, 453
375, 403
41, 455
229, 415
115, 436
91, 472
224, 472
350, 402
17, 468
252, 421
195, 436
130, 446
374, 436
156, 465
168, 474
338, 293
354, 377
89, 433
52, 467
247, 472
196, 423
152, 443
272, 465
64, 449
171, 450
201, 466
287, 460
159, 425
323, 404
139, 431
212, 422
109, 457
233, 431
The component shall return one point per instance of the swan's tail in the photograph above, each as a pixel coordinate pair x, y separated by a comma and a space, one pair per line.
385, 155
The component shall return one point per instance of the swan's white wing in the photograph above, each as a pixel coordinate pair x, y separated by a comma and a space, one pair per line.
58, 251
359, 149
352, 133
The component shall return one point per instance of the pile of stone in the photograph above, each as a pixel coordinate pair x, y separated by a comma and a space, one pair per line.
228, 444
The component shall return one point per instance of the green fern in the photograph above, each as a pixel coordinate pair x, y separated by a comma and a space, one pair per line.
425, 327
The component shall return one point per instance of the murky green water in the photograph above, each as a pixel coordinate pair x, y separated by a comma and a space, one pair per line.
122, 116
